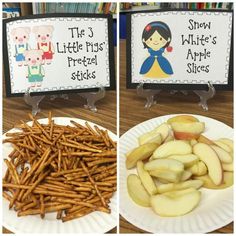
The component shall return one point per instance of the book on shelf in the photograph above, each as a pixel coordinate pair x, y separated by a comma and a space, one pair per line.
10, 12
42, 8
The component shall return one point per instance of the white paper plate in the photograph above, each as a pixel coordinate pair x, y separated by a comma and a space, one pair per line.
215, 209
95, 222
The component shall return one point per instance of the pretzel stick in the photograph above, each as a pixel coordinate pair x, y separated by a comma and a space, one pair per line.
94, 184
42, 208
12, 171
47, 209
40, 126
43, 140
35, 184
80, 146
77, 215
59, 214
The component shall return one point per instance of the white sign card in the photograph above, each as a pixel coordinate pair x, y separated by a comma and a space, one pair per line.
58, 53
180, 49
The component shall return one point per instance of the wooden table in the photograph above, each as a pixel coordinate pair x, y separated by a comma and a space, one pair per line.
15, 109
132, 112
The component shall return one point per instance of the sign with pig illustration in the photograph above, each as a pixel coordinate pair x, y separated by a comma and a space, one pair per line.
180, 49
58, 53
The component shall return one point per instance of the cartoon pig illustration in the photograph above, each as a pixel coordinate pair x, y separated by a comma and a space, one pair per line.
43, 36
20, 37
35, 72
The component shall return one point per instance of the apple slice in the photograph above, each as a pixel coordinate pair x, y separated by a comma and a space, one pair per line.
203, 139
223, 146
193, 142
146, 179
182, 119
186, 175
188, 160
164, 164
140, 153
170, 176
137, 192
150, 137
164, 181
169, 138
207, 182
224, 156
198, 169
185, 136
158, 135
228, 142
179, 186
176, 203
193, 128
212, 161
176, 147
187, 131
163, 129
228, 167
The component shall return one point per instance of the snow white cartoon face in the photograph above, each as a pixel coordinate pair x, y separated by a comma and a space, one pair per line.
156, 35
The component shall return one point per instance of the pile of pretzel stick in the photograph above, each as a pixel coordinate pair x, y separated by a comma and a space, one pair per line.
70, 170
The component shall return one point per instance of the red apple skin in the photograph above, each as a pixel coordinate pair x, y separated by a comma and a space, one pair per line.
185, 136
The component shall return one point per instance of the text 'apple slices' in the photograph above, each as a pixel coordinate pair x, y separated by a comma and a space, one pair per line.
175, 203
176, 147
212, 161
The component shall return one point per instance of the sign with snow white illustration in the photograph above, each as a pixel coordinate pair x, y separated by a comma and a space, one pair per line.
180, 49
58, 53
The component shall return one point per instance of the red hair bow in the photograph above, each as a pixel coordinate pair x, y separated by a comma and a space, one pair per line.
148, 27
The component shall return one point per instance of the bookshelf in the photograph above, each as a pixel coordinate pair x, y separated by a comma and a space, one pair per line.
51, 7
26, 9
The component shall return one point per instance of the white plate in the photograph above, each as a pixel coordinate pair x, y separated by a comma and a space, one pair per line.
95, 222
215, 209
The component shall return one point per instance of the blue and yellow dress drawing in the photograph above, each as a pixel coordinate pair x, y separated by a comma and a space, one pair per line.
156, 66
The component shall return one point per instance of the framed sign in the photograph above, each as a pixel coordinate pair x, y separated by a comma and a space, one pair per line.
58, 53
180, 49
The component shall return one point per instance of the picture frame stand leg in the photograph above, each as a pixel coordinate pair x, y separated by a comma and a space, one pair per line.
92, 98
63, 96
149, 94
205, 96
184, 92
33, 101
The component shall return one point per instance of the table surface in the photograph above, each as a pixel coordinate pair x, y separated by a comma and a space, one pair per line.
132, 112
15, 109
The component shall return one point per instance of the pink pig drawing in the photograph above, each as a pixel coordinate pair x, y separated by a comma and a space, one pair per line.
43, 35
20, 37
35, 71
